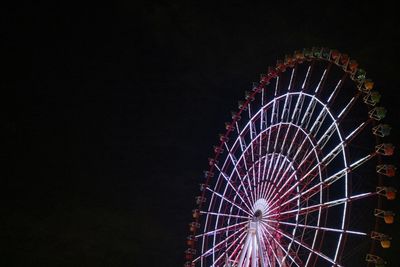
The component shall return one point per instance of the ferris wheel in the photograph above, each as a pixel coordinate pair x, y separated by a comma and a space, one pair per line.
304, 154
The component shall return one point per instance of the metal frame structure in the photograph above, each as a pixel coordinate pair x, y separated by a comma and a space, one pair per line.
267, 198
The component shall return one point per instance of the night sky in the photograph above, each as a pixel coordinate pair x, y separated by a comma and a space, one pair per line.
118, 106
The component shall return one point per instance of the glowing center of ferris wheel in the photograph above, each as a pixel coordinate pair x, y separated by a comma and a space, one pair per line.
260, 209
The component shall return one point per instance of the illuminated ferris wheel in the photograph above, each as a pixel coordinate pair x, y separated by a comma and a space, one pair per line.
293, 167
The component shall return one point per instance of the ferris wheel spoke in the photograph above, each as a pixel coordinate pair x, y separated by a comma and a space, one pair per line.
318, 122
307, 194
320, 82
259, 167
287, 252
307, 154
253, 159
275, 175
264, 180
272, 250
268, 132
223, 214
234, 188
313, 190
249, 188
293, 141
331, 130
266, 176
311, 107
333, 178
323, 78
277, 137
282, 148
310, 192
319, 165
262, 244
304, 141
278, 247
277, 179
293, 175
223, 229
238, 240
262, 97
288, 100
335, 91
242, 158
325, 161
239, 248
263, 120
324, 112
344, 111
318, 253
318, 227
274, 192
241, 178
306, 79
275, 104
356, 131
271, 184
249, 110
271, 177
274, 116
292, 75
289, 126
217, 247
244, 257
316, 207
308, 113
228, 201
298, 107
277, 193
290, 149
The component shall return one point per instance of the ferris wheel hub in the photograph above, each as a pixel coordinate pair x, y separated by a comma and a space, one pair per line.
258, 215
260, 209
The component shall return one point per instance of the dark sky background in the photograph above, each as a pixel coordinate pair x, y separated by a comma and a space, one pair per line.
118, 106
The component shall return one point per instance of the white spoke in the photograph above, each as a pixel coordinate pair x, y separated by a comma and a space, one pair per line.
227, 200
313, 208
224, 214
213, 249
239, 240
219, 230
230, 184
306, 78
324, 162
334, 92
280, 246
318, 227
305, 246
241, 178
272, 250
321, 81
